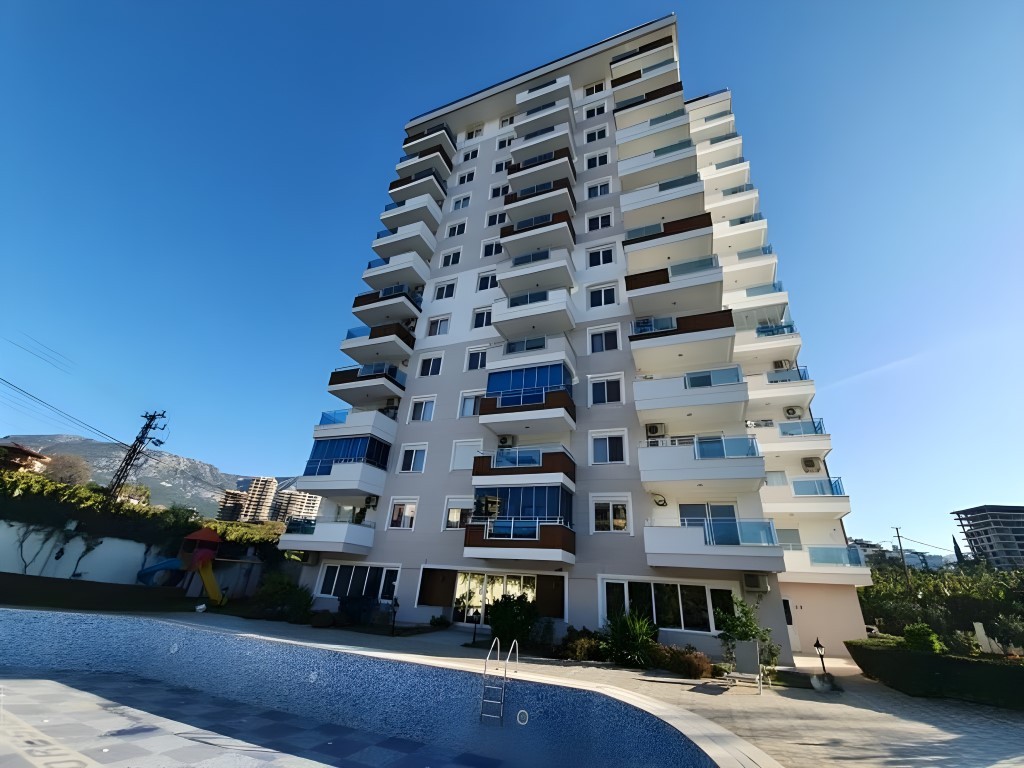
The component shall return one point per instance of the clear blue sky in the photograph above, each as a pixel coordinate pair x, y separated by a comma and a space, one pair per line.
188, 191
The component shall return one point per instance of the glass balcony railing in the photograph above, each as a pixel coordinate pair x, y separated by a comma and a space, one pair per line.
530, 258
536, 189
656, 67
513, 528
304, 527
524, 299
717, 115
746, 219
730, 163
541, 108
650, 229
386, 233
793, 374
392, 206
536, 221
424, 174
517, 457
652, 325
725, 137
776, 330
542, 86
689, 267
750, 253
666, 117
541, 132
829, 486
683, 181
374, 263
713, 378
334, 417
385, 369
511, 398
761, 290
543, 158
843, 556
740, 446
359, 332
802, 427
732, 532
525, 345
736, 190
677, 147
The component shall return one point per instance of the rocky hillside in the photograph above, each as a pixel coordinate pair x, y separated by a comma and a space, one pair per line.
172, 480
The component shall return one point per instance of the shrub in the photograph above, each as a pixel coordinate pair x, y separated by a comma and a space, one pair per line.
542, 635
582, 645
631, 639
512, 618
688, 661
720, 670
921, 637
741, 625
280, 598
1007, 631
962, 644
322, 619
440, 621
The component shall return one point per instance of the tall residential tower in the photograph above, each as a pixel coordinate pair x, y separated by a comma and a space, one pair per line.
578, 376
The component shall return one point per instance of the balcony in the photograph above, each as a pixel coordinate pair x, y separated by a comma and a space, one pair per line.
741, 234
669, 127
672, 343
671, 200
545, 92
732, 202
654, 246
543, 232
537, 465
382, 343
388, 305
520, 539
717, 543
817, 496
326, 535
416, 238
696, 401
552, 112
381, 423
430, 159
826, 565
726, 146
792, 387
417, 210
426, 182
644, 55
545, 198
677, 467
803, 438
537, 313
545, 167
407, 268
756, 296
691, 286
773, 341
710, 103
667, 162
363, 384
533, 411
646, 78
346, 479
439, 134
553, 139
640, 109
540, 271
534, 350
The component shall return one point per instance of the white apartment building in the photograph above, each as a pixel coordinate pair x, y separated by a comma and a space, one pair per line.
578, 376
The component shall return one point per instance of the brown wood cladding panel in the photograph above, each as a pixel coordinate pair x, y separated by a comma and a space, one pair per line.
551, 537
352, 375
708, 321
647, 279
550, 462
657, 93
560, 154
550, 596
645, 48
557, 399
437, 587
372, 298
380, 331
616, 82
516, 197
677, 227
440, 150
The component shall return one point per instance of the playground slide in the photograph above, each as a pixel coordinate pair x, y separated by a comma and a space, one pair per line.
146, 575
210, 583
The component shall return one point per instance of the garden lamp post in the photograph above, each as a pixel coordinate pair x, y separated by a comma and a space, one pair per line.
394, 615
476, 623
820, 650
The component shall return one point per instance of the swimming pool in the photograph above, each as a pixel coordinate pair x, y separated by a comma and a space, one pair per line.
564, 726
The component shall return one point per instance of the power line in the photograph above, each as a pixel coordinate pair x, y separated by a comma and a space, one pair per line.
925, 544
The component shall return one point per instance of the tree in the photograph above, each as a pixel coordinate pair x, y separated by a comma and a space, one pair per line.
68, 468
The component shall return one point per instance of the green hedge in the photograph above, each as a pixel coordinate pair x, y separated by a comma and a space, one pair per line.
917, 673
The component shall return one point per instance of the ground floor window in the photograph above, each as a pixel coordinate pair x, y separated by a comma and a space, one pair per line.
471, 589
669, 605
373, 581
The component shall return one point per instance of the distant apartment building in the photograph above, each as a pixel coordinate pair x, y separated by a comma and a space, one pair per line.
16, 457
995, 534
231, 504
917, 559
578, 377
264, 502
259, 500
294, 505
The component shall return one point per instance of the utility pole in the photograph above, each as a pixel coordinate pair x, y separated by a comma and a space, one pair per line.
903, 559
131, 458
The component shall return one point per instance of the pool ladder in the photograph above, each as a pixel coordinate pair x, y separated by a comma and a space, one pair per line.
492, 697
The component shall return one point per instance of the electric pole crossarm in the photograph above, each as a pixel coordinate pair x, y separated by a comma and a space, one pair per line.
131, 458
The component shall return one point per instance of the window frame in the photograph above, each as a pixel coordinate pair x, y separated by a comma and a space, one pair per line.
445, 285
498, 249
500, 217
453, 502
602, 106
421, 400
604, 434
470, 154
453, 257
479, 311
470, 351
599, 216
605, 182
599, 134
461, 203
603, 378
431, 357
601, 249
479, 446
611, 498
465, 394
466, 177
602, 289
596, 156
507, 138
596, 87
603, 579
443, 322
501, 166
501, 189
414, 448
603, 329
456, 225
414, 501
322, 573
492, 279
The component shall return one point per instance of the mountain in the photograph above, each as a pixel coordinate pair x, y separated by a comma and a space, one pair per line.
171, 479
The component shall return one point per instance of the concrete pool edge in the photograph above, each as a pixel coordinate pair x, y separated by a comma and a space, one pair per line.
723, 747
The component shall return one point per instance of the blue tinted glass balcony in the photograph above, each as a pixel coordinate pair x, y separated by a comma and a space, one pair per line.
525, 345
737, 190
761, 290
542, 85
746, 219
717, 115
530, 258
656, 67
689, 267
740, 446
776, 330
804, 427
517, 457
715, 378
650, 229
540, 132
392, 206
513, 528
541, 108
843, 556
383, 369
666, 117
304, 527
652, 325
385, 233
529, 395
732, 532
829, 486
374, 263
334, 417
730, 163
793, 374
536, 221
677, 147
360, 332
752, 253
726, 137
683, 181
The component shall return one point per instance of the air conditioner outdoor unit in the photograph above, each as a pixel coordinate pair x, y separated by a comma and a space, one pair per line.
782, 365
655, 430
392, 402
811, 464
506, 441
794, 412
372, 501
755, 582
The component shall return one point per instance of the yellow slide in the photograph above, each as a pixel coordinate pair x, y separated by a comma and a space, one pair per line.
210, 583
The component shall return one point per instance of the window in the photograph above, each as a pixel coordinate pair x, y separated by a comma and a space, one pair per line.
611, 516
718, 519
460, 202
600, 221
372, 581
598, 190
487, 281
505, 141
602, 296
492, 248
690, 607
600, 256
594, 88
477, 358
454, 230
469, 405
604, 341
468, 176
493, 219
451, 258
600, 133
506, 121
438, 326
459, 514
444, 290
608, 448
430, 366
413, 458
403, 515
482, 317
789, 538
346, 450
499, 191
475, 132
463, 453
525, 345
422, 410
595, 161
471, 155
502, 165
595, 111
607, 390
